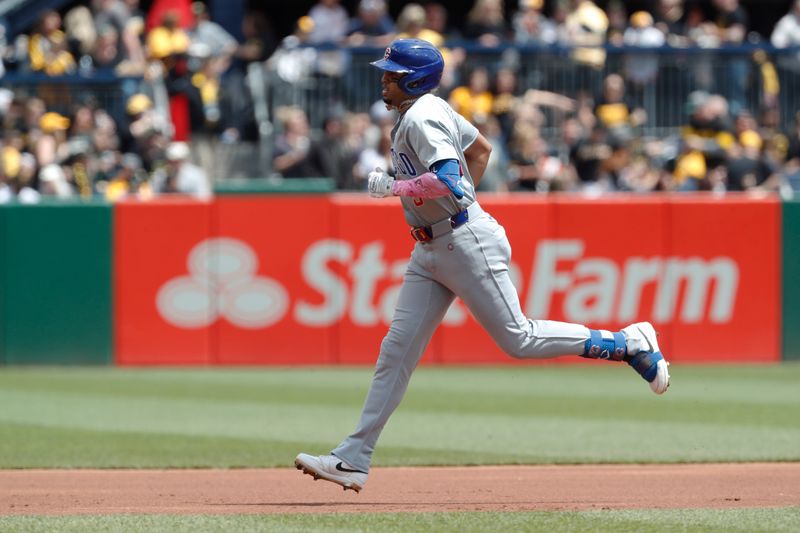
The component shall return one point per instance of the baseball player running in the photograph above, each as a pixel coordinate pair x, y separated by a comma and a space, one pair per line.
461, 251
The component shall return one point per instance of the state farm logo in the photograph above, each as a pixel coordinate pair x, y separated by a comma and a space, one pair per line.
357, 283
222, 283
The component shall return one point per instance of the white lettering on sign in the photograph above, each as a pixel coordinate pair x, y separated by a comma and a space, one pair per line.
359, 284
590, 286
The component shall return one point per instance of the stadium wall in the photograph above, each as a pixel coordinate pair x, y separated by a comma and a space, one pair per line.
55, 284
312, 279
791, 275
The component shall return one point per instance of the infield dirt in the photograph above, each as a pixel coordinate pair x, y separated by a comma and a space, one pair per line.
481, 488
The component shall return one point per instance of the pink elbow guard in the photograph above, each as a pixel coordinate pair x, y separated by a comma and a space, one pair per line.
423, 186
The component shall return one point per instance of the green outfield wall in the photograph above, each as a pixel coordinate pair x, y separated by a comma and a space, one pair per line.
55, 284
791, 279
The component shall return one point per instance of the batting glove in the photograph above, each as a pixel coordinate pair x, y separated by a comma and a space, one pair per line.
380, 183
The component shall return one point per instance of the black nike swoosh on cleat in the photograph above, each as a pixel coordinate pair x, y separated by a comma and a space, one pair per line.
646, 339
340, 468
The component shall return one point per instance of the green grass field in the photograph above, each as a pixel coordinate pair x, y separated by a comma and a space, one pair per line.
260, 417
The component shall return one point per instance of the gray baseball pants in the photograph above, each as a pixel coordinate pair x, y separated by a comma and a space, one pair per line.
471, 262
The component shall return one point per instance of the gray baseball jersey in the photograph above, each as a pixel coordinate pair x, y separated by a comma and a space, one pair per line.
428, 132
469, 262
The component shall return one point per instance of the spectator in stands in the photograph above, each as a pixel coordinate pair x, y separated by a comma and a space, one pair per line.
744, 169
614, 111
53, 182
486, 23
48, 47
732, 25
701, 33
23, 115
642, 69
586, 29
331, 22
146, 130
792, 164
81, 34
787, 31
128, 23
374, 156
168, 42
412, 22
129, 180
705, 143
82, 124
496, 177
293, 61
105, 54
52, 135
16, 177
505, 100
291, 151
167, 47
259, 38
639, 176
436, 20
332, 154
767, 80
221, 45
617, 22
785, 35
561, 10
475, 97
527, 149
589, 156
531, 26
180, 175
372, 26
669, 20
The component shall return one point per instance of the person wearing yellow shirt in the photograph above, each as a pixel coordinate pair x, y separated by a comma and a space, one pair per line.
473, 99
47, 48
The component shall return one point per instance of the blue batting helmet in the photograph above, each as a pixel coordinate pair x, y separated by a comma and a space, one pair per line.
420, 62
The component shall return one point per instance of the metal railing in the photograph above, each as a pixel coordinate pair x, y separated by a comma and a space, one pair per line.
659, 79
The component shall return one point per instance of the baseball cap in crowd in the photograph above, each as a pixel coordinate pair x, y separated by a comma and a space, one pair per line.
305, 24
51, 122
12, 161
696, 100
177, 151
750, 139
641, 19
138, 103
531, 4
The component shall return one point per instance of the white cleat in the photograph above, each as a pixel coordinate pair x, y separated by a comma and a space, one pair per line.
645, 356
331, 468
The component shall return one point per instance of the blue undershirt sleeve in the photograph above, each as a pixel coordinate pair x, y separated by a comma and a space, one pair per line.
449, 172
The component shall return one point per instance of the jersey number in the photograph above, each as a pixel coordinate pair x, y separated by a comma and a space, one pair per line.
403, 164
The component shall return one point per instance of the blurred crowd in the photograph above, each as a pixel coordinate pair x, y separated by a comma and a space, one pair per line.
189, 95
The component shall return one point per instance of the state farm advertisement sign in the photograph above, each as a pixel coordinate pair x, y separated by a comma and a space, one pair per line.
314, 280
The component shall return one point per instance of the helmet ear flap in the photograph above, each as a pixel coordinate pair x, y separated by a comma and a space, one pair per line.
419, 83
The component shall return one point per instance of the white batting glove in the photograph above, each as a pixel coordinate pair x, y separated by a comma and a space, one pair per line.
380, 183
